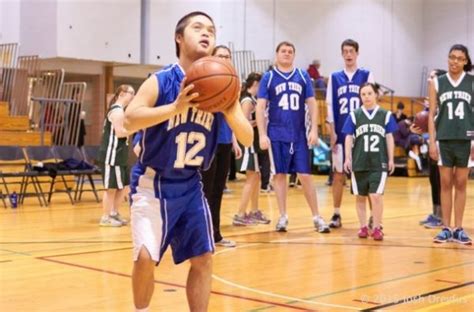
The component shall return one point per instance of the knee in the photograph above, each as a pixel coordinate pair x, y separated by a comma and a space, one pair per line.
202, 262
460, 184
144, 259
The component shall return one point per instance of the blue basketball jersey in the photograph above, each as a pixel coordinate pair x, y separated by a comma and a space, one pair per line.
345, 97
286, 94
177, 148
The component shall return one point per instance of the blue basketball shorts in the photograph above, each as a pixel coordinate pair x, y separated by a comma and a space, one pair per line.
286, 157
161, 217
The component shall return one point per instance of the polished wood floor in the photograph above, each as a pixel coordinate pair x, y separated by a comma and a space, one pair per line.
59, 259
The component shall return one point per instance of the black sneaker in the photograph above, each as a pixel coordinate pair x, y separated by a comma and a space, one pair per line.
336, 221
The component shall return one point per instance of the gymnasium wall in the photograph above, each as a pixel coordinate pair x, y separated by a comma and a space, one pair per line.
397, 37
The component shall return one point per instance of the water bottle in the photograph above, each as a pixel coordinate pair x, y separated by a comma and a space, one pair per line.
14, 200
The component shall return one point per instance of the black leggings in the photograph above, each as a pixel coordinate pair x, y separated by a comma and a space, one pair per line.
435, 182
214, 181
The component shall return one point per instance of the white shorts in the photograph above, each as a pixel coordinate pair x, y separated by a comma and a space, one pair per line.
338, 159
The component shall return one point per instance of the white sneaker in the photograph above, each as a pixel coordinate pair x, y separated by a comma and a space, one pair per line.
226, 243
282, 224
416, 158
321, 225
119, 218
109, 222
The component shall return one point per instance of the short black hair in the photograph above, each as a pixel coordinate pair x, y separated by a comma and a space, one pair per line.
221, 46
400, 105
285, 43
183, 22
350, 43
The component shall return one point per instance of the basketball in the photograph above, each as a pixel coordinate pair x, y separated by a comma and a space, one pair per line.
421, 120
216, 81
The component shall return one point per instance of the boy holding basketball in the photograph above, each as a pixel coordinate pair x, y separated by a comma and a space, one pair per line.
168, 204
287, 90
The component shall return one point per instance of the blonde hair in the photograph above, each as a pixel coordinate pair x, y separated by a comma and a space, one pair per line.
120, 89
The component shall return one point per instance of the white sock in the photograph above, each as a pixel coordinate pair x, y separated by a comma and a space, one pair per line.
316, 218
337, 211
142, 310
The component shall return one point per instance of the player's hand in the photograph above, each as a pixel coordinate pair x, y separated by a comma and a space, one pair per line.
185, 97
237, 150
434, 154
348, 166
264, 141
313, 138
415, 129
391, 166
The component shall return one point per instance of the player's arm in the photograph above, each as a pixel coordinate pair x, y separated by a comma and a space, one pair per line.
247, 107
116, 117
142, 113
330, 116
313, 138
390, 152
261, 124
239, 124
348, 153
431, 114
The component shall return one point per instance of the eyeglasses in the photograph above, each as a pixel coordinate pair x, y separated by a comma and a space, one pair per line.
131, 92
223, 56
459, 59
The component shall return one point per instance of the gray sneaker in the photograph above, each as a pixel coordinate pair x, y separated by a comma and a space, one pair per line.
321, 226
282, 224
259, 217
109, 222
226, 243
119, 218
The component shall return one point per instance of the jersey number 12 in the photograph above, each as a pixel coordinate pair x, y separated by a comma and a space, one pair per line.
188, 157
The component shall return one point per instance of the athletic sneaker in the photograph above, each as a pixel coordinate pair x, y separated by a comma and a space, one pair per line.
282, 224
320, 225
259, 217
226, 243
336, 221
459, 236
416, 158
444, 236
363, 232
371, 223
377, 234
109, 222
243, 220
119, 218
434, 223
429, 218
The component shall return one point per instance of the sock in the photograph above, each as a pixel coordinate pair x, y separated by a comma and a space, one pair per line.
316, 218
337, 211
142, 310
113, 213
437, 211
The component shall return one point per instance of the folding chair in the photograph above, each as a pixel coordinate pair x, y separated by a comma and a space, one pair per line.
13, 156
45, 155
68, 152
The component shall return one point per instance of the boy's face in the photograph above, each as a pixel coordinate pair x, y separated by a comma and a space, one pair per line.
199, 37
285, 55
349, 54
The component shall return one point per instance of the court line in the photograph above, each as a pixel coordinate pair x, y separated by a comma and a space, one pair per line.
367, 285
62, 242
173, 284
446, 303
417, 297
3, 261
271, 294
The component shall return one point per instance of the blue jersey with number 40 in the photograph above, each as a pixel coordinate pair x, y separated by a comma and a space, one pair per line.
286, 94
177, 148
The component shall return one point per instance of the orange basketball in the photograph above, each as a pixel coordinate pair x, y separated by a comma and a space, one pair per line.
216, 82
421, 120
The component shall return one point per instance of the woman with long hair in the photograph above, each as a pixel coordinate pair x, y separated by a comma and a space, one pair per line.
451, 129
113, 157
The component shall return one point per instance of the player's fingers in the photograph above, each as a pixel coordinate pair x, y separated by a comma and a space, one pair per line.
187, 89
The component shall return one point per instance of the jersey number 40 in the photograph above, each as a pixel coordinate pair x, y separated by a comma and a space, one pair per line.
293, 103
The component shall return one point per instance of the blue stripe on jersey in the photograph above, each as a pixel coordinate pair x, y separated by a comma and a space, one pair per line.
177, 148
286, 93
345, 95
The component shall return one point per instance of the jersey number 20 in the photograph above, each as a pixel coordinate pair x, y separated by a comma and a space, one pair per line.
354, 103
188, 157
